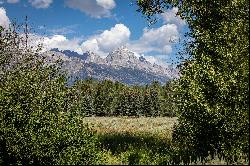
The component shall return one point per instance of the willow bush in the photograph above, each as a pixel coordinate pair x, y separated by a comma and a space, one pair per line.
214, 84
37, 124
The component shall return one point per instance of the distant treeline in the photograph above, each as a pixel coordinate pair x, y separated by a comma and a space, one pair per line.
107, 98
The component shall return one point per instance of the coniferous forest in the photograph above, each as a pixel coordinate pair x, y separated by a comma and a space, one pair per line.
107, 98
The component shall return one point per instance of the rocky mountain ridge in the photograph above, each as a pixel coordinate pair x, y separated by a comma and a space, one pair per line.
119, 65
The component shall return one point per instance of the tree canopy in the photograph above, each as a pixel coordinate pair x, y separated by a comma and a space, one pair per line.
37, 120
214, 82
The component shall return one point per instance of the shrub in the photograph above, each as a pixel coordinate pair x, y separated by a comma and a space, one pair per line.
37, 125
214, 85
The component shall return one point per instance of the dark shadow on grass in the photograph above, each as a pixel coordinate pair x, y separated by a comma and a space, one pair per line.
121, 142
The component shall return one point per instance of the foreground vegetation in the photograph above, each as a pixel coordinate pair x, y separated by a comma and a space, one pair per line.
42, 119
37, 120
213, 90
125, 140
141, 141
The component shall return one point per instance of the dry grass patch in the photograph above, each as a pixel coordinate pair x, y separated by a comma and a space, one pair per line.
161, 126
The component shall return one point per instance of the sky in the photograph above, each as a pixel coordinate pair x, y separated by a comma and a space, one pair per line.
100, 26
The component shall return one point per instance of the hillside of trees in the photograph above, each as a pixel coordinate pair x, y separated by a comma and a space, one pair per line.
107, 98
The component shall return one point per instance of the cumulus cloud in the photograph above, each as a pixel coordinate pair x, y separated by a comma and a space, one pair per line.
106, 4
170, 17
108, 40
100, 44
156, 39
54, 41
94, 8
90, 45
4, 20
40, 3
113, 38
62, 43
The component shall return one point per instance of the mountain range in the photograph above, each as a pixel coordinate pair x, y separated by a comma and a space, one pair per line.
119, 65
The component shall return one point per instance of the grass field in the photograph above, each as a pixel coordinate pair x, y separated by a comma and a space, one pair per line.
160, 126
140, 141
126, 140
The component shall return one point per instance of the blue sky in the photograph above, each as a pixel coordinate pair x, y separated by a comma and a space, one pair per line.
98, 25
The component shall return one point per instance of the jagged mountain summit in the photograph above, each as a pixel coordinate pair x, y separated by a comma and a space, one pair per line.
119, 65
122, 57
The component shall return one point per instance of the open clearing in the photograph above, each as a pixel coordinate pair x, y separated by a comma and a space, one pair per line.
143, 140
160, 126
122, 137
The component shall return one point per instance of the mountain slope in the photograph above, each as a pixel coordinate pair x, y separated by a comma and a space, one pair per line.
120, 65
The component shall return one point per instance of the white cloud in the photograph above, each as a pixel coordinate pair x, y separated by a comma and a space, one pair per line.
100, 44
12, 1
156, 39
94, 8
151, 59
157, 59
90, 45
106, 4
4, 20
108, 40
161, 35
167, 49
40, 3
113, 38
63, 30
170, 17
62, 43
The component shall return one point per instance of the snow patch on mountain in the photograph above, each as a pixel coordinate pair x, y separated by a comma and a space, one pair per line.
119, 62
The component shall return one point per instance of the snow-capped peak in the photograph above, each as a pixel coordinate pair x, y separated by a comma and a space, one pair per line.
122, 57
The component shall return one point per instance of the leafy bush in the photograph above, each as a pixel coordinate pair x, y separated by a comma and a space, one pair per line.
37, 125
214, 84
214, 87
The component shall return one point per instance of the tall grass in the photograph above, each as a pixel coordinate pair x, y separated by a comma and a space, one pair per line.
142, 141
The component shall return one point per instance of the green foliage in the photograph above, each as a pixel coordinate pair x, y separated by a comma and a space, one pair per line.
136, 149
115, 99
37, 121
138, 141
214, 85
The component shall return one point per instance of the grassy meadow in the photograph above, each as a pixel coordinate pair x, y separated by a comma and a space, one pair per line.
126, 140
139, 141
161, 126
